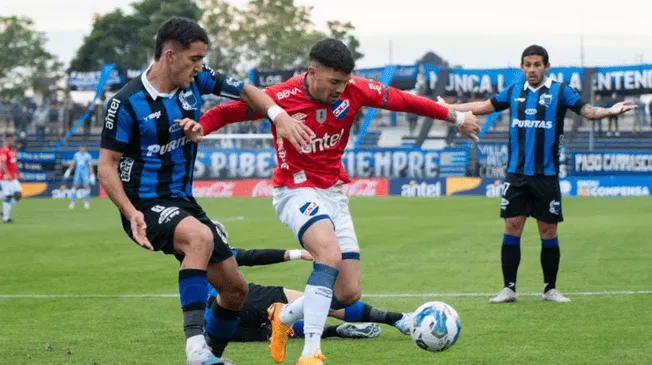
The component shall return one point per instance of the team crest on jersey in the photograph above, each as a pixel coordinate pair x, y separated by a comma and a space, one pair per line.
545, 100
341, 108
321, 115
188, 100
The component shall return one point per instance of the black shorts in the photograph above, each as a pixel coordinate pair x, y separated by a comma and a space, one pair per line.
254, 325
536, 196
162, 217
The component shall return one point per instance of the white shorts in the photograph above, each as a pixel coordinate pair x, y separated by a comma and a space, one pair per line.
299, 208
10, 187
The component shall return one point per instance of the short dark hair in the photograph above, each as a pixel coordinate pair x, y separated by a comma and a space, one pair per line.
182, 31
535, 50
333, 53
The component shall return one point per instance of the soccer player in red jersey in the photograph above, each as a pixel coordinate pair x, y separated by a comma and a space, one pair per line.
11, 189
308, 193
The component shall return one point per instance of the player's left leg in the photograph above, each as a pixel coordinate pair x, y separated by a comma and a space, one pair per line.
224, 275
87, 196
13, 193
548, 213
6, 206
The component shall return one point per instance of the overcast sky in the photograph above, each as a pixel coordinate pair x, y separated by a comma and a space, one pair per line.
472, 33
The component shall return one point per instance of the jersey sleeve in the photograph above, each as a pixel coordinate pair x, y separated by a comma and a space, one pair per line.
571, 99
259, 257
500, 101
212, 82
372, 93
227, 113
118, 124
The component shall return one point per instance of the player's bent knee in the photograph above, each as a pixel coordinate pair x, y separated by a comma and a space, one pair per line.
320, 240
349, 297
193, 238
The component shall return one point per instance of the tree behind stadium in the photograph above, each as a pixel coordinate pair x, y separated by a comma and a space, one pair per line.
24, 62
128, 39
271, 34
265, 34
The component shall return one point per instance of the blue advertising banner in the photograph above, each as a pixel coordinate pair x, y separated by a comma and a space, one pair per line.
585, 163
213, 163
596, 186
417, 188
36, 166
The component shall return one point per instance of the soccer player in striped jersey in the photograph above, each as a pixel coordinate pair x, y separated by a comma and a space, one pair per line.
146, 167
536, 127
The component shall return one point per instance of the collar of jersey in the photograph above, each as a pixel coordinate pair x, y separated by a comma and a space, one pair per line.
151, 90
546, 83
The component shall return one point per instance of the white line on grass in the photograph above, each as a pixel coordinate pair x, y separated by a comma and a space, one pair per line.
383, 295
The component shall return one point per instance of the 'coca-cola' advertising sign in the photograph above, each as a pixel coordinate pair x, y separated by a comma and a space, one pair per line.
264, 188
367, 187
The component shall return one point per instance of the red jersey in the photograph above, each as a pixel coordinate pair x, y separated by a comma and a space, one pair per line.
320, 165
8, 157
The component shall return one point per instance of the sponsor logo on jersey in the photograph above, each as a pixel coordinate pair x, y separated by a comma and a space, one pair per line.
287, 93
531, 124
299, 116
109, 119
154, 115
173, 145
378, 88
175, 127
233, 82
324, 142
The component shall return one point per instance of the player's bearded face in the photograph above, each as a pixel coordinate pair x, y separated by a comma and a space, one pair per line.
185, 64
535, 69
325, 84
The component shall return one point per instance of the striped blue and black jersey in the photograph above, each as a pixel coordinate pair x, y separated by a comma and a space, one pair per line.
536, 124
158, 159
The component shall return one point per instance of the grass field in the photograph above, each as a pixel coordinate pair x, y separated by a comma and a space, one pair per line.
435, 249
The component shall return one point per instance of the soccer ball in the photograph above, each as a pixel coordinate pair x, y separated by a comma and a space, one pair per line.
435, 326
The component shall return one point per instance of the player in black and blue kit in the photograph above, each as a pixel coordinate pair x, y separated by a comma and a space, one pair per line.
146, 167
537, 109
255, 325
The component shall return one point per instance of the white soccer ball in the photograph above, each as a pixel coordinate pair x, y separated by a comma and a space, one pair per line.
435, 326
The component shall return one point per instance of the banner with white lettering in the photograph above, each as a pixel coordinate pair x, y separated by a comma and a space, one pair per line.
584, 163
216, 164
36, 166
623, 80
264, 78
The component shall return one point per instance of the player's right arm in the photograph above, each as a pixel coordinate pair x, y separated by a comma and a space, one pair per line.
259, 257
116, 135
497, 103
477, 107
227, 113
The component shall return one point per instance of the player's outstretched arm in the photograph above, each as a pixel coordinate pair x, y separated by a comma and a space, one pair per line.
295, 131
269, 256
477, 107
108, 174
398, 100
591, 112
